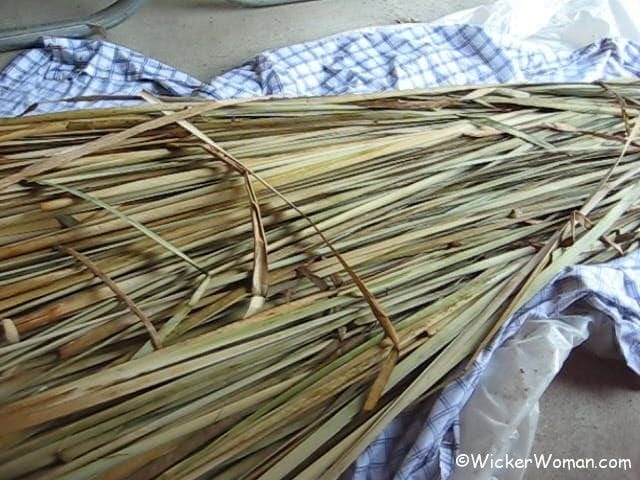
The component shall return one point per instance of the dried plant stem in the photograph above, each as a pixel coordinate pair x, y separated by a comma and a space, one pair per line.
310, 267
155, 338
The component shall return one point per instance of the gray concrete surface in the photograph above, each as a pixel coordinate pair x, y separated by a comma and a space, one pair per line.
593, 408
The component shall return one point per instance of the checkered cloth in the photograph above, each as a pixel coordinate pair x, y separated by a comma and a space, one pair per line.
420, 444
369, 60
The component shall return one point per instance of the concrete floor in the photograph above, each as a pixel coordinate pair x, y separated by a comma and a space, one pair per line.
591, 410
593, 407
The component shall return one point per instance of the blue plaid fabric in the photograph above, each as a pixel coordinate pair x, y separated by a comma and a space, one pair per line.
422, 443
369, 60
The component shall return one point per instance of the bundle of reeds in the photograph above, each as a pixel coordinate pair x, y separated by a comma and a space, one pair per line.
193, 289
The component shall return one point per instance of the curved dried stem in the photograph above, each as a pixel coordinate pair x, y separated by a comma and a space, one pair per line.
118, 292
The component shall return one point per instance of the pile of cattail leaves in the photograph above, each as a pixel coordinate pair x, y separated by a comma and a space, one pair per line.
193, 289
